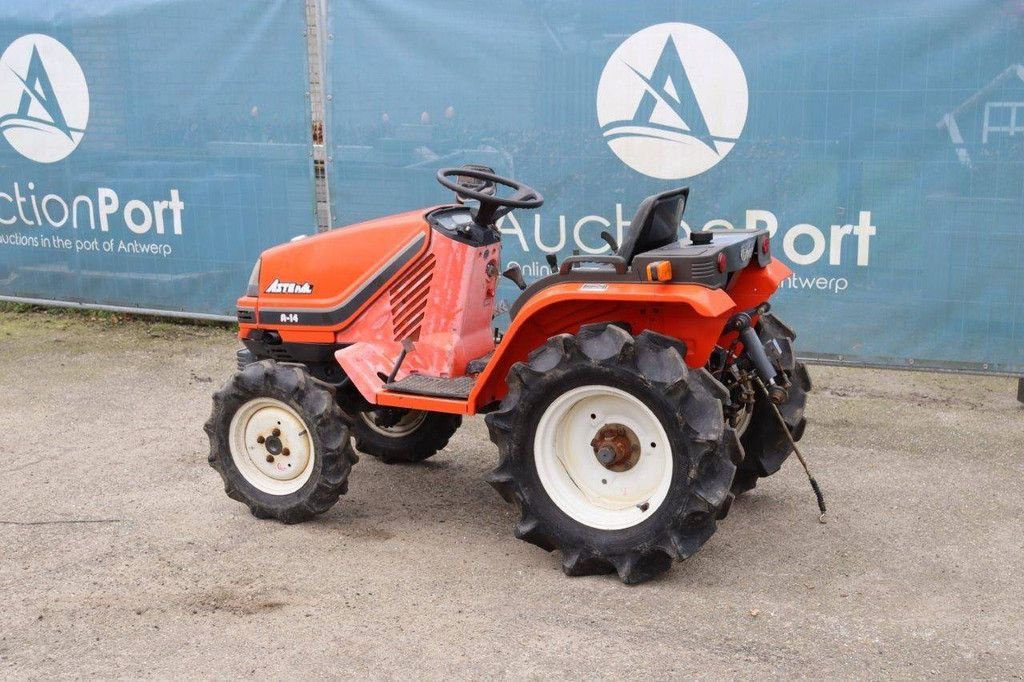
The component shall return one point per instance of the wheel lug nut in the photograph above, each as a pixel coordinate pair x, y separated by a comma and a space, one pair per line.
270, 458
260, 439
286, 452
277, 432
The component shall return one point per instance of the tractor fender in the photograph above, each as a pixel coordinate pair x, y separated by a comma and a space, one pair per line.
754, 286
689, 312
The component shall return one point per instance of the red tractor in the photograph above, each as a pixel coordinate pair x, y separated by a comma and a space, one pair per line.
632, 396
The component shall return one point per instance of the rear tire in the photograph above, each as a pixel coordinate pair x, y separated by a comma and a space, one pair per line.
278, 441
651, 505
417, 436
764, 442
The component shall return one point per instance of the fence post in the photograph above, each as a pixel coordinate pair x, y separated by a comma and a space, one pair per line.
316, 53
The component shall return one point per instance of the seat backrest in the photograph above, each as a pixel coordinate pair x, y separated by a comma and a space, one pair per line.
655, 224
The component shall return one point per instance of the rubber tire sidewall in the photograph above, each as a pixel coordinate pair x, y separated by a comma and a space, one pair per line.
327, 431
571, 532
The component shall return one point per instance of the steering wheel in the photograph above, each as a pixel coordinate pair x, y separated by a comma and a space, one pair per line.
492, 207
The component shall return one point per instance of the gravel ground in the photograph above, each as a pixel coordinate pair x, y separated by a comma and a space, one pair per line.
121, 556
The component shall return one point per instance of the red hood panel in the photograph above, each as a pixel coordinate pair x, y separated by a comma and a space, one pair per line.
331, 271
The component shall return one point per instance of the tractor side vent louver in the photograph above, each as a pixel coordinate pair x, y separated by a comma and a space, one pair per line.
409, 299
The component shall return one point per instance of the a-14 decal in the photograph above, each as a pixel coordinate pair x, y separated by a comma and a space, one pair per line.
279, 287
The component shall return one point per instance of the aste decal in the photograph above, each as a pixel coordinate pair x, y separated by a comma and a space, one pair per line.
672, 101
279, 287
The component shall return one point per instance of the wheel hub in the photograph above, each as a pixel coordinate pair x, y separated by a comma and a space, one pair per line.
603, 457
616, 447
271, 446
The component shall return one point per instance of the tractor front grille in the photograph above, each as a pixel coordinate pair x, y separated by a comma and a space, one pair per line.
409, 299
280, 353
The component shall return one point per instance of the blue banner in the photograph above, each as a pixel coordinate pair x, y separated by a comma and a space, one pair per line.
150, 150
880, 142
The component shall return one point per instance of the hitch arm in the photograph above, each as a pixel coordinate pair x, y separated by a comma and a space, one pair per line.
754, 350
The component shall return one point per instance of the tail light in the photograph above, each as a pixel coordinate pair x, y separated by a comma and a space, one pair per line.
766, 244
721, 262
659, 271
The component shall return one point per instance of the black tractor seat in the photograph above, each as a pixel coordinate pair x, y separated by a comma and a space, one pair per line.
655, 224
652, 236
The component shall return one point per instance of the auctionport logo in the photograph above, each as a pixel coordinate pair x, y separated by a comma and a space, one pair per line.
44, 99
672, 101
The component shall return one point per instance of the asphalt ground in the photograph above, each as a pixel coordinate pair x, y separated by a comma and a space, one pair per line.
120, 555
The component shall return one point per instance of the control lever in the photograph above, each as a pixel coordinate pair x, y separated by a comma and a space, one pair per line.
552, 260
408, 346
796, 451
515, 273
607, 236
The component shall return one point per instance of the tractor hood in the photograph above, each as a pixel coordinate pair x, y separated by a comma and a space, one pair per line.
325, 279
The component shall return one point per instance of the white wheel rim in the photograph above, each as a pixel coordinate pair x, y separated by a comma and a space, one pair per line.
409, 422
276, 463
574, 479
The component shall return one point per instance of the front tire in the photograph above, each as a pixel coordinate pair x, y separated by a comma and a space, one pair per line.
278, 441
615, 452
